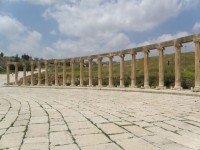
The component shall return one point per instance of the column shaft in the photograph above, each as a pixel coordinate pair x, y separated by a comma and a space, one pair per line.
133, 70
146, 69
178, 66
39, 73
122, 70
16, 73
64, 72
24, 74
56, 73
161, 67
110, 71
99, 60
32, 73
197, 65
81, 71
90, 72
8, 73
72, 73
46, 73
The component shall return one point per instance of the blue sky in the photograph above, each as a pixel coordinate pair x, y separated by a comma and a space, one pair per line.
69, 28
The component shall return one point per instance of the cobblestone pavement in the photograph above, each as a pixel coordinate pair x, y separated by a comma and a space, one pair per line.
72, 119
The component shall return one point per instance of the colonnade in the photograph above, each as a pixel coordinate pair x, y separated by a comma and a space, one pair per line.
133, 52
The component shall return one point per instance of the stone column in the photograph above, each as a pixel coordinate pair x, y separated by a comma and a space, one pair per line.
146, 69
99, 61
81, 71
39, 73
90, 72
121, 70
161, 68
197, 65
16, 73
8, 73
32, 73
110, 71
133, 70
178, 66
24, 74
56, 72
46, 73
72, 73
64, 73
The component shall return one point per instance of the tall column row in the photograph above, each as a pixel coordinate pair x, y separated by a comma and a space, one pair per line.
146, 51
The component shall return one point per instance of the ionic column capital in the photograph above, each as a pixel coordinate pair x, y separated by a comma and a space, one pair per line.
177, 44
196, 40
81, 59
159, 48
145, 50
110, 56
72, 61
46, 62
99, 58
32, 63
90, 59
55, 62
133, 53
121, 55
16, 63
64, 61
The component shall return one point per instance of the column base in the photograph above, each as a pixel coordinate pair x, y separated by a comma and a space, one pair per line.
121, 86
110, 86
177, 88
160, 87
132, 86
90, 85
196, 89
145, 87
80, 85
72, 85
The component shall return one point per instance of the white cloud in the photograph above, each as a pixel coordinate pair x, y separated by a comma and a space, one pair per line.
18, 38
10, 27
196, 27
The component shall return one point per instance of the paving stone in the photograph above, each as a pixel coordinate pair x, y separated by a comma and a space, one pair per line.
136, 143
121, 136
80, 125
36, 140
37, 130
91, 139
56, 128
11, 140
109, 146
138, 131
21, 123
60, 138
65, 147
38, 146
85, 131
111, 128
174, 146
38, 120
16, 129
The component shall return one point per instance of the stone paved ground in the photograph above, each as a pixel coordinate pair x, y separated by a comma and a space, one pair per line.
72, 119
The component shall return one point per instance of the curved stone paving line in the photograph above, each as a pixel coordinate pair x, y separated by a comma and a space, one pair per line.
71, 119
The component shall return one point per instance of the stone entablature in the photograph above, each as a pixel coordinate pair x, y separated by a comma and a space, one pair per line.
177, 44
